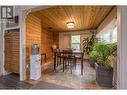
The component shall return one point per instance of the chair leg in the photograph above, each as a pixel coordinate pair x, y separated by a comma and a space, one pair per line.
64, 61
63, 66
71, 69
60, 60
75, 63
70, 65
57, 62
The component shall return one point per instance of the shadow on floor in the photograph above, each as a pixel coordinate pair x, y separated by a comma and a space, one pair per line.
11, 81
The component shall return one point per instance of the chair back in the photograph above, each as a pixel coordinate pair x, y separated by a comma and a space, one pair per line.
67, 53
58, 52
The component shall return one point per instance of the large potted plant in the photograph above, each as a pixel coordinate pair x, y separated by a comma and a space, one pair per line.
103, 67
88, 44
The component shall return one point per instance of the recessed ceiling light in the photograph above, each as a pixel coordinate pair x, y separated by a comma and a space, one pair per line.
70, 24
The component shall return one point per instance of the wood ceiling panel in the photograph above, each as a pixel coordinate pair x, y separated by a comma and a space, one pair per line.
84, 17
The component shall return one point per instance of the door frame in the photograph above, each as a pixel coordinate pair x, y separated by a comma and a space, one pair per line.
1, 44
3, 24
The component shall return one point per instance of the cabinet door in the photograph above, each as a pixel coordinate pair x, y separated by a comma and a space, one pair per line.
12, 51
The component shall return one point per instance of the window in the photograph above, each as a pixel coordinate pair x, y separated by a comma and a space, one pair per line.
75, 42
109, 36
105, 37
109, 33
114, 35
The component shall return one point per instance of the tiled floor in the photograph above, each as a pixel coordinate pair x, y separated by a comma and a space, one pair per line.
74, 80
66, 79
56, 78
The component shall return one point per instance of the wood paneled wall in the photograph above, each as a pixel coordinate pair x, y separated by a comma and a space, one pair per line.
36, 34
56, 38
48, 39
33, 36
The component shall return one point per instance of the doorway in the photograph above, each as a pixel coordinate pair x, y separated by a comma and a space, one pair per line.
11, 40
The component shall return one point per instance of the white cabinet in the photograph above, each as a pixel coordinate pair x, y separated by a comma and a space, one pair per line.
35, 67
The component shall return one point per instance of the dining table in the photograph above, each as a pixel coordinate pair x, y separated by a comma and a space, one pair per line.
78, 55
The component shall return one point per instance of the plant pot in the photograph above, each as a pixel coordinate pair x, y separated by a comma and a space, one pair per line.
104, 76
92, 62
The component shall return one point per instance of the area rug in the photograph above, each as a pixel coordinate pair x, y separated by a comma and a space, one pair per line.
46, 85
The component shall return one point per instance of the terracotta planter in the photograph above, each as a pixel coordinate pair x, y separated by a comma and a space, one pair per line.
92, 62
104, 77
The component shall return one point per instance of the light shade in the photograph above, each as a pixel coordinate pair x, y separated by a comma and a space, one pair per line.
70, 24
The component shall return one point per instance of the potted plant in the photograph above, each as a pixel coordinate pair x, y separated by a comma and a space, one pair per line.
88, 44
104, 70
93, 57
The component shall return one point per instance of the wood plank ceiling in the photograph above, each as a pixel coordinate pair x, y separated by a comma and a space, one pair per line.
84, 17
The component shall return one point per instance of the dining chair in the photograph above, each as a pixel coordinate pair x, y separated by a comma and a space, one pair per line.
69, 60
58, 56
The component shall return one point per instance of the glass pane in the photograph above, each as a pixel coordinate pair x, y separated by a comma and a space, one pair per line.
75, 39
114, 35
105, 37
75, 46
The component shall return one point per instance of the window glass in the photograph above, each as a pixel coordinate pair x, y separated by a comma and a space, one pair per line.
76, 46
110, 36
75, 42
106, 37
75, 39
114, 35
